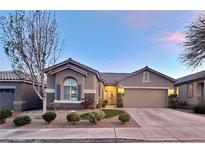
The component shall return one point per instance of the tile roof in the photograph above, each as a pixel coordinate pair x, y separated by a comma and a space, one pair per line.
110, 78
11, 75
191, 77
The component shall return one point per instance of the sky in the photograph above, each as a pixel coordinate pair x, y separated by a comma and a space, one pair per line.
122, 41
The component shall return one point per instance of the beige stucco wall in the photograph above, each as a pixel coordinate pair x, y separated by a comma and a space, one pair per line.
61, 76
137, 80
146, 94
183, 92
88, 83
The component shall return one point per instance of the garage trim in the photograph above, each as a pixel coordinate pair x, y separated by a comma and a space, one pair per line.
147, 88
7, 87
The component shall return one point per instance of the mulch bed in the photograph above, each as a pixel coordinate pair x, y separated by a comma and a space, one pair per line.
61, 122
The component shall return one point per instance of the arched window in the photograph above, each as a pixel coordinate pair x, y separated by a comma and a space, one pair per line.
70, 89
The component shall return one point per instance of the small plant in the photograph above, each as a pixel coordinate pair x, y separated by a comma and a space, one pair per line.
182, 103
173, 104
73, 117
92, 118
105, 102
99, 104
119, 100
22, 120
49, 116
4, 113
2, 116
199, 109
99, 114
173, 101
125, 117
8, 113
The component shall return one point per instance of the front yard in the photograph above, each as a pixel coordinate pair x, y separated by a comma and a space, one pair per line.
109, 121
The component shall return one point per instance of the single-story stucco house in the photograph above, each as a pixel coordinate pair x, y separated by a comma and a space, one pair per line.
191, 88
70, 82
17, 93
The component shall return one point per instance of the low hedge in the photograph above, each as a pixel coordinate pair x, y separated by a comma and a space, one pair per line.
22, 120
91, 117
4, 113
73, 117
49, 116
99, 114
199, 109
125, 117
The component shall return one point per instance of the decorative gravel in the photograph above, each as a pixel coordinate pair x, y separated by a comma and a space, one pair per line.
61, 122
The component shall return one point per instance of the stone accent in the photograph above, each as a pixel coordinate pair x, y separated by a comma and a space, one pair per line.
89, 98
50, 97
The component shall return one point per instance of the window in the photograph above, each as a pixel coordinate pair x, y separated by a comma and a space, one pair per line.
70, 89
190, 90
146, 76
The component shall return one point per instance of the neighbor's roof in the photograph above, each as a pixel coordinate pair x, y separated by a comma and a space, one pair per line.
191, 77
11, 75
111, 78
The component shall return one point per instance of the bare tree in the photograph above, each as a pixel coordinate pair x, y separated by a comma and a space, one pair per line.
194, 44
31, 41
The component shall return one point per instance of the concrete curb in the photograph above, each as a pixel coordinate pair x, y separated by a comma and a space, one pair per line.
97, 140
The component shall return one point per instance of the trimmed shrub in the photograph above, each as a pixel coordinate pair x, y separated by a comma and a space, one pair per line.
22, 120
105, 102
173, 104
8, 113
92, 118
199, 109
4, 113
125, 117
173, 101
73, 117
119, 100
2, 116
99, 114
182, 103
49, 116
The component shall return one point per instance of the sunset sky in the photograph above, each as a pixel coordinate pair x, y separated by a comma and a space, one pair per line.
122, 41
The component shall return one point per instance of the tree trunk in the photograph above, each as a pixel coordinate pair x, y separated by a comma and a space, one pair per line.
44, 105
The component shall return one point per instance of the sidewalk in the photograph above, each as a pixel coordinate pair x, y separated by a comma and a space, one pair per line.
108, 135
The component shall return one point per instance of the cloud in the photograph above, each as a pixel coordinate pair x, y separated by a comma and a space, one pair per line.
173, 37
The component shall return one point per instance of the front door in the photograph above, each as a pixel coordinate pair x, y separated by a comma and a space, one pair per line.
110, 94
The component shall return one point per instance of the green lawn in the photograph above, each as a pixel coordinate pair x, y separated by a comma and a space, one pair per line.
108, 113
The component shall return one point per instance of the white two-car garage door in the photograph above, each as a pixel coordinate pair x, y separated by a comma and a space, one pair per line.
145, 98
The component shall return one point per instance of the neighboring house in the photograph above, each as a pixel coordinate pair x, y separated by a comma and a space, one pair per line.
70, 82
17, 93
191, 88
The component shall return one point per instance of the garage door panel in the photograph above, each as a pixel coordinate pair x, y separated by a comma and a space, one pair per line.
6, 98
145, 98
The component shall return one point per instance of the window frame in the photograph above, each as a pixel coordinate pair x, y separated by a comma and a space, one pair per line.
190, 96
71, 86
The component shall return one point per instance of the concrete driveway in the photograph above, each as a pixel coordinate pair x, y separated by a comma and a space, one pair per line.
163, 124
